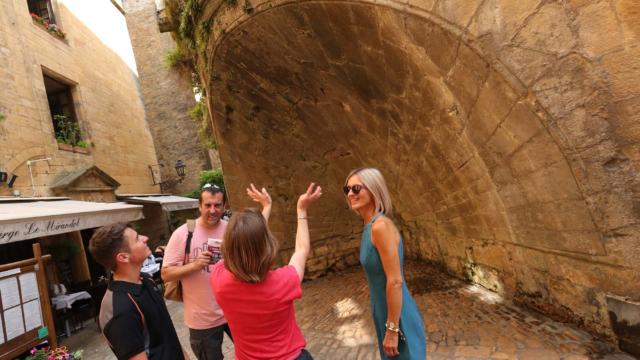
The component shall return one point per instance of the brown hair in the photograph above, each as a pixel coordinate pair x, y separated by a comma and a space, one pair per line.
249, 249
106, 242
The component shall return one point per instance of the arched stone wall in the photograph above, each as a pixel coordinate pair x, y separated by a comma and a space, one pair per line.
505, 129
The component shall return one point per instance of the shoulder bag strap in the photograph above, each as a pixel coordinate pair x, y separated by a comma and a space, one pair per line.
191, 225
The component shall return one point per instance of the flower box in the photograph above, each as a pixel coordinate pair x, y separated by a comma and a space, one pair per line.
51, 28
80, 150
65, 147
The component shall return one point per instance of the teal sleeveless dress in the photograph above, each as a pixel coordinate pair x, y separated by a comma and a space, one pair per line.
414, 346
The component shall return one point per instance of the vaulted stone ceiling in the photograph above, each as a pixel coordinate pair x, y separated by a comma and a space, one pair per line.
505, 131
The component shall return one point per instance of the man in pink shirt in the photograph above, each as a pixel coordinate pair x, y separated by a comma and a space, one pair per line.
202, 314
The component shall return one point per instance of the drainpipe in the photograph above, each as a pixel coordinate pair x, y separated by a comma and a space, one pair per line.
33, 186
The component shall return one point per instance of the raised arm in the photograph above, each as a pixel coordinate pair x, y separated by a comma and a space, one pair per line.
261, 197
303, 245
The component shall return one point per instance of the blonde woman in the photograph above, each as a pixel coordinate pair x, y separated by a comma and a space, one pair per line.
396, 317
257, 301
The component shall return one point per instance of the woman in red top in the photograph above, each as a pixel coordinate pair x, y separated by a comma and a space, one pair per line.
258, 302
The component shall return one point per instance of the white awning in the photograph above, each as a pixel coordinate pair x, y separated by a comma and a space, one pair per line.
28, 220
168, 202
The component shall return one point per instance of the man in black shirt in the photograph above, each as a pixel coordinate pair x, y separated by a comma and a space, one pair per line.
133, 316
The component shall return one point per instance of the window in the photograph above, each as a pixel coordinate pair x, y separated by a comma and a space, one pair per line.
43, 9
63, 114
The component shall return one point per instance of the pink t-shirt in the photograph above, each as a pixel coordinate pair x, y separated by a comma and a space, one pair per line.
261, 316
201, 311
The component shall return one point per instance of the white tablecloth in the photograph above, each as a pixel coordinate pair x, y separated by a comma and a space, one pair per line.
65, 301
151, 269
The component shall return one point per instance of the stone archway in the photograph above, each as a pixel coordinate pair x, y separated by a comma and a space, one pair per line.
497, 139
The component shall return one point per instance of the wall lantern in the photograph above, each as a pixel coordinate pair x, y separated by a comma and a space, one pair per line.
180, 167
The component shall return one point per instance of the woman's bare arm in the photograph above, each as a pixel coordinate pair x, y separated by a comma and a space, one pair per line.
386, 239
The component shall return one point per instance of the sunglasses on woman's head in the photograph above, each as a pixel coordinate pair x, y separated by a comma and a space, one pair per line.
355, 189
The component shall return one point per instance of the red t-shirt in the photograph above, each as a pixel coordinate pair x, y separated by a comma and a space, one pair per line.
261, 316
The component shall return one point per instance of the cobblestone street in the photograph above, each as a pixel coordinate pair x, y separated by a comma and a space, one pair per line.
462, 322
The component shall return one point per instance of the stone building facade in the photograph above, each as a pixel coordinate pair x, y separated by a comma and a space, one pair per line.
168, 99
508, 131
43, 73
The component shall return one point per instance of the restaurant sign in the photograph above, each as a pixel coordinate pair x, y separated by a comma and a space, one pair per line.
37, 228
30, 229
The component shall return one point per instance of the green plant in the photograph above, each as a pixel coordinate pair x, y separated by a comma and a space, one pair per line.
205, 28
83, 144
2, 116
200, 115
38, 354
213, 177
175, 58
67, 130
51, 28
187, 25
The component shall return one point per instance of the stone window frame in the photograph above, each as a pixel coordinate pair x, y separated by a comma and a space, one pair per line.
35, 6
75, 111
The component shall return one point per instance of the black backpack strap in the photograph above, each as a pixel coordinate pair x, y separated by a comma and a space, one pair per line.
191, 225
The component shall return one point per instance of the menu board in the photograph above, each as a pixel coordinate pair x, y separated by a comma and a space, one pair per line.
21, 309
9, 292
29, 287
32, 315
1, 333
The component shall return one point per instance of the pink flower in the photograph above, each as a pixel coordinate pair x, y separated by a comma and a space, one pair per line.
33, 351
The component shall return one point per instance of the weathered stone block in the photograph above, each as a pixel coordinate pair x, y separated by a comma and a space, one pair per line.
527, 64
467, 76
629, 13
548, 31
552, 183
538, 153
502, 143
499, 20
599, 29
458, 12
439, 45
623, 69
570, 85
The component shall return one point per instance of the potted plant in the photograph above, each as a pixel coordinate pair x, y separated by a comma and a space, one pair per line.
51, 28
68, 135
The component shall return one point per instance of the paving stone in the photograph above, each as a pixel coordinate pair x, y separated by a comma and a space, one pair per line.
482, 352
334, 315
537, 354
